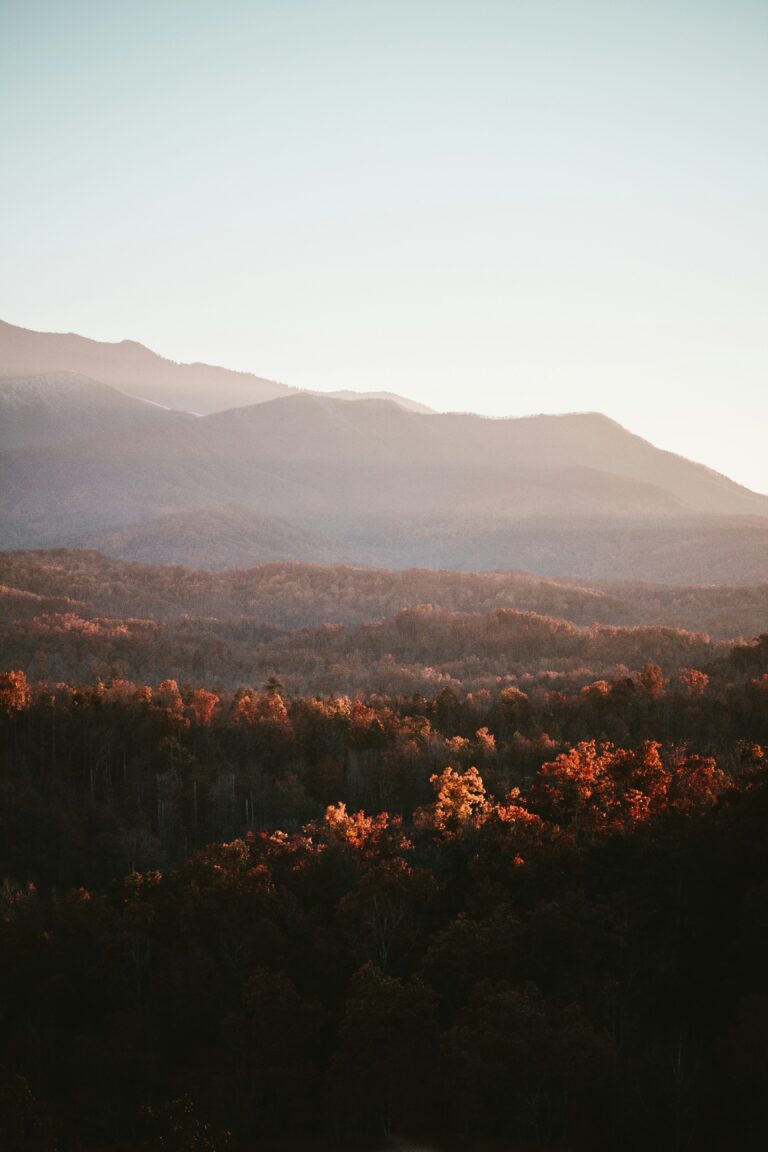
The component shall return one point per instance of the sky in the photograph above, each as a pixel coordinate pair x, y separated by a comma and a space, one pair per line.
504, 206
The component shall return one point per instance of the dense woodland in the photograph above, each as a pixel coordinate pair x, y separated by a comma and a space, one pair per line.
84, 617
531, 915
296, 595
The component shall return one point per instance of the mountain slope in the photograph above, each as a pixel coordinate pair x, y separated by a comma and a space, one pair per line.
474, 456
215, 538
401, 401
315, 478
61, 406
673, 549
140, 372
132, 368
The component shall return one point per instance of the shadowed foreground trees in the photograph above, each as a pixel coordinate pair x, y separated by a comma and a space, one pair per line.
249, 921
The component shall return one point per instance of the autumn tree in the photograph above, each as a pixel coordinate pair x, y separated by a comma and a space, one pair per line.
460, 803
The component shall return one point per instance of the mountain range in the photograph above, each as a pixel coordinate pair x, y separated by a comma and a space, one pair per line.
100, 459
130, 367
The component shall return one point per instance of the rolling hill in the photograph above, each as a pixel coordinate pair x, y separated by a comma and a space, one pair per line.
332, 629
215, 538
294, 596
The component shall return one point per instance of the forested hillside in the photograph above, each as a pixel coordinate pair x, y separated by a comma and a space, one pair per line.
250, 920
381, 631
310, 856
289, 595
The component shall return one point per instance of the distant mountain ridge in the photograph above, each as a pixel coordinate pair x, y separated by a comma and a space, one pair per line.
132, 368
311, 477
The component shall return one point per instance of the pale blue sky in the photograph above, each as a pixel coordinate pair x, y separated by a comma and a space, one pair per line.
510, 207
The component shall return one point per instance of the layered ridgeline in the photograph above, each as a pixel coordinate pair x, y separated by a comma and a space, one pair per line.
82, 616
295, 476
134, 369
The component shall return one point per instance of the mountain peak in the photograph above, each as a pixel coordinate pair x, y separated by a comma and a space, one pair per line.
134, 369
138, 371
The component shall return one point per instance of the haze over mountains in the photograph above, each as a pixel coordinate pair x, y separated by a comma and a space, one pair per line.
88, 458
132, 368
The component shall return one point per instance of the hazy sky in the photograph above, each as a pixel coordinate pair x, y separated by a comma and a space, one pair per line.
510, 207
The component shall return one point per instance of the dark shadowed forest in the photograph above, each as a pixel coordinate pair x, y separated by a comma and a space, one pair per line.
516, 902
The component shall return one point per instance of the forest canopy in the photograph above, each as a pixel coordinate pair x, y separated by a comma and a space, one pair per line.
82, 616
245, 917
